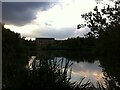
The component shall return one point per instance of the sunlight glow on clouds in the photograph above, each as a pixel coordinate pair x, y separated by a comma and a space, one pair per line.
65, 14
27, 29
59, 21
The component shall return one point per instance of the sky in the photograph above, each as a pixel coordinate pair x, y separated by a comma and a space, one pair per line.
57, 20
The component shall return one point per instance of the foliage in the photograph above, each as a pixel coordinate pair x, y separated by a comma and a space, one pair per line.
52, 74
79, 44
105, 25
15, 51
103, 39
112, 76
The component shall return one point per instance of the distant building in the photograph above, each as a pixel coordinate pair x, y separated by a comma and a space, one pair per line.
45, 41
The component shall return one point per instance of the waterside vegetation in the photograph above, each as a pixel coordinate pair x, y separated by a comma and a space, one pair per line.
103, 41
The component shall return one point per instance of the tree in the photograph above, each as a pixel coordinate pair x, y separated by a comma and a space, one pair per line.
98, 20
104, 25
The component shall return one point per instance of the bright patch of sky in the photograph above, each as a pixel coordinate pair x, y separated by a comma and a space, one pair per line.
59, 21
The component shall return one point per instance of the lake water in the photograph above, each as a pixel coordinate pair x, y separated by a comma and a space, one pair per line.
91, 71
44, 67
87, 67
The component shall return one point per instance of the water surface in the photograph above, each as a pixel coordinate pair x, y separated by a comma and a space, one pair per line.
91, 71
89, 67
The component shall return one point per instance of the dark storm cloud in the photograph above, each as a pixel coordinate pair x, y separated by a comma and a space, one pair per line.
21, 13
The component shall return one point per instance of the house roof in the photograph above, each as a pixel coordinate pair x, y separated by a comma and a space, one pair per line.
45, 38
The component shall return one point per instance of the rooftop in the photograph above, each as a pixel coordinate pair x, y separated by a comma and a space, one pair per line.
45, 38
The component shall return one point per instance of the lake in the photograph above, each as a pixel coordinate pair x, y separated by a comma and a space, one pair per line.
91, 71
89, 67
48, 69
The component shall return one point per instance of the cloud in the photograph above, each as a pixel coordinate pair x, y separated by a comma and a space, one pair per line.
81, 32
33, 31
21, 13
42, 19
61, 33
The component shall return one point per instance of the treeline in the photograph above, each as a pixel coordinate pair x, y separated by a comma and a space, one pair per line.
15, 46
78, 44
15, 52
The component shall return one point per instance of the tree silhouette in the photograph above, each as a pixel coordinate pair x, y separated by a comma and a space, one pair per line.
104, 25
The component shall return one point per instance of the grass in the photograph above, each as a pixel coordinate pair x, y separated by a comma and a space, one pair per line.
54, 74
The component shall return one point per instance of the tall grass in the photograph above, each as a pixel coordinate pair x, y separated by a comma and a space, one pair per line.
55, 74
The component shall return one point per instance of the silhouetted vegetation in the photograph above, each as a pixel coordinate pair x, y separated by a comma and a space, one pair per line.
15, 51
111, 72
79, 44
104, 37
105, 25
50, 75
103, 40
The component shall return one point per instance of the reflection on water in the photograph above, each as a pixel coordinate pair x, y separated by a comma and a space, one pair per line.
48, 69
91, 71
30, 63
